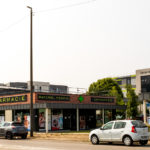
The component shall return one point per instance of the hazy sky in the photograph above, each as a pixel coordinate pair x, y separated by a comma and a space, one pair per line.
75, 42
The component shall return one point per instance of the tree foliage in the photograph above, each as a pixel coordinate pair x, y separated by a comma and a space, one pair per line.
107, 87
132, 104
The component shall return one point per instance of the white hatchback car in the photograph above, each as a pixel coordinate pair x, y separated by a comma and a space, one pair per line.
126, 131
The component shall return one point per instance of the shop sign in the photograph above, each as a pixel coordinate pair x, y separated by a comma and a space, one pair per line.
53, 98
80, 98
102, 100
13, 99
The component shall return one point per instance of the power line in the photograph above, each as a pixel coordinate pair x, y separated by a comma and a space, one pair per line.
13, 24
66, 6
42, 11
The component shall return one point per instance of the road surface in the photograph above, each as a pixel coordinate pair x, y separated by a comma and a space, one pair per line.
36, 144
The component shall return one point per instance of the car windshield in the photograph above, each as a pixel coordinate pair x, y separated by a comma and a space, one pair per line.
17, 124
138, 124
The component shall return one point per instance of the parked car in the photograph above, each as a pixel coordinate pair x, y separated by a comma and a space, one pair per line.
11, 129
1, 123
126, 131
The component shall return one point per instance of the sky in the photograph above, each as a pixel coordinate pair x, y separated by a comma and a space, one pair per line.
75, 42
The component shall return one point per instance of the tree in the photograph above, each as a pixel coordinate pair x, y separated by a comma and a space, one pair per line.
107, 87
132, 104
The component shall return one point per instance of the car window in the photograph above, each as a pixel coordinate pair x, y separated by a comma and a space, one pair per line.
6, 124
119, 125
138, 124
108, 126
17, 124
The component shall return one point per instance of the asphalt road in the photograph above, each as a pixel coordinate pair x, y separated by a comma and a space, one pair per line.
35, 144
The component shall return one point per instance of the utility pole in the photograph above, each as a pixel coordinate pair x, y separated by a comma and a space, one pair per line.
31, 75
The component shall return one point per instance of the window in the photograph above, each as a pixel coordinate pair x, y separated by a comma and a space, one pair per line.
108, 116
145, 83
119, 125
133, 81
6, 124
138, 124
40, 88
128, 81
99, 118
108, 126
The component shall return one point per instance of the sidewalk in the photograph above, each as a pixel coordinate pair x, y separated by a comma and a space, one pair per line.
81, 137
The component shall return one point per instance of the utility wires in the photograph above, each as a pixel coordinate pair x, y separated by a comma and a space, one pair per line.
66, 6
47, 10
13, 24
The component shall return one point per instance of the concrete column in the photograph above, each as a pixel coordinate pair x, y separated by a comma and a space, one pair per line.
77, 119
8, 115
144, 111
103, 115
47, 119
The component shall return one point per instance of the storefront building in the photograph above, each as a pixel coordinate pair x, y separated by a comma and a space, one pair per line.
59, 111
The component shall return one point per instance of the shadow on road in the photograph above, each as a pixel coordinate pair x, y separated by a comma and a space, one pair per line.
14, 138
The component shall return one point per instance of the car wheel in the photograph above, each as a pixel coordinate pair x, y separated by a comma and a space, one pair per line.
24, 136
127, 141
94, 139
143, 142
9, 135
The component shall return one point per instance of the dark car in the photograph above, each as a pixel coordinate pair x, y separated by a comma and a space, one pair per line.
11, 129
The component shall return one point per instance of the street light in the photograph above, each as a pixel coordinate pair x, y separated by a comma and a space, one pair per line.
31, 75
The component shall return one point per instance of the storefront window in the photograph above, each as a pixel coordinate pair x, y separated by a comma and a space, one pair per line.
107, 116
82, 122
26, 121
99, 118
2, 117
18, 117
22, 116
41, 119
87, 119
57, 119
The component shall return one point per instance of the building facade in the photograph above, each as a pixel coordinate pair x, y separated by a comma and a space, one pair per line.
143, 81
13, 87
123, 81
54, 111
140, 82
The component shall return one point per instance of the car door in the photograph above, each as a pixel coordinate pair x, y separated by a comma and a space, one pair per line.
2, 128
106, 131
118, 130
